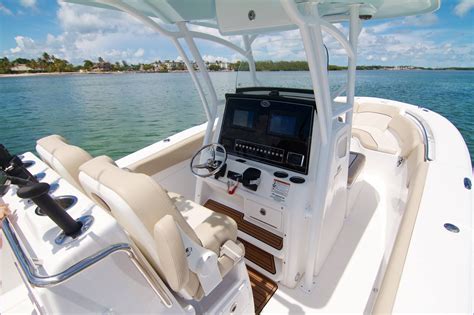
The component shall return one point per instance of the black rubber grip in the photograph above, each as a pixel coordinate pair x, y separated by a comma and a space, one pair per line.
38, 193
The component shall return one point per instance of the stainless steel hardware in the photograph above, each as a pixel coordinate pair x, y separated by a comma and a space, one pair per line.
37, 280
426, 134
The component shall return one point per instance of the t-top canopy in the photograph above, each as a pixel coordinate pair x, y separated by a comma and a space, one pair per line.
257, 16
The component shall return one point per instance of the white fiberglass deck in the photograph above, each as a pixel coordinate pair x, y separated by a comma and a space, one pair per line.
345, 282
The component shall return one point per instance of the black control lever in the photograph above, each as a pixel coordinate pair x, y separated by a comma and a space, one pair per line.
18, 181
38, 193
13, 165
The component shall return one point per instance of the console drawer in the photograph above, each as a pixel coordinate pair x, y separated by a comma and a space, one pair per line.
263, 213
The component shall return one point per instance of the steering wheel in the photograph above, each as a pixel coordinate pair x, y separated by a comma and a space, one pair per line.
212, 165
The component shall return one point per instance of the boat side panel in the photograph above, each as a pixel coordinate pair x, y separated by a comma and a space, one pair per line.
438, 269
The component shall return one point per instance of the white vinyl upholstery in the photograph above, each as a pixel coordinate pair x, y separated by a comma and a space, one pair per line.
154, 223
64, 158
383, 128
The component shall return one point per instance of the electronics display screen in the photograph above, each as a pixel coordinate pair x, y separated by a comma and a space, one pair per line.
243, 118
271, 130
282, 125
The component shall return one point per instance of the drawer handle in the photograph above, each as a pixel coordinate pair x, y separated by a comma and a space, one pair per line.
263, 211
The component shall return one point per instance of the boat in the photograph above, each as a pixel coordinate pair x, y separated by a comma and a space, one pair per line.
286, 200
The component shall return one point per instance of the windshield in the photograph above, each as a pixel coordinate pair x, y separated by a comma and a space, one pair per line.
280, 61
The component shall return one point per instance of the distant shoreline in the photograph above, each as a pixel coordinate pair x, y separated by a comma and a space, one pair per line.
39, 74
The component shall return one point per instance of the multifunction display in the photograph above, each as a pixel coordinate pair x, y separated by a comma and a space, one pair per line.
274, 130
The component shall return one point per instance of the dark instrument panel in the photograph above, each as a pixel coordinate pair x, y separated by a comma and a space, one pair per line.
269, 127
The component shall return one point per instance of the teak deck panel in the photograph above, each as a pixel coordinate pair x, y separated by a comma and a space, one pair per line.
259, 257
262, 288
253, 230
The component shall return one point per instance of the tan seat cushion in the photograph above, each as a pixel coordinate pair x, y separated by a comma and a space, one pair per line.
407, 132
64, 158
377, 107
382, 128
212, 228
138, 203
51, 143
170, 249
365, 138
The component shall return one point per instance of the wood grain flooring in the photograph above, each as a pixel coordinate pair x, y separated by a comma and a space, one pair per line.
259, 257
259, 233
262, 288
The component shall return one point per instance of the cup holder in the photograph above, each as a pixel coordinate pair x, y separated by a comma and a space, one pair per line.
65, 202
28, 163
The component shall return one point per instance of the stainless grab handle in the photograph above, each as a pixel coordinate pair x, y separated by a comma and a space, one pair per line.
427, 136
48, 281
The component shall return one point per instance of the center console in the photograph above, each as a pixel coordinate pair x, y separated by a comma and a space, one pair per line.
267, 134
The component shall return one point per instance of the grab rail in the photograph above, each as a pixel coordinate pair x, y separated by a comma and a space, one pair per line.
427, 136
48, 281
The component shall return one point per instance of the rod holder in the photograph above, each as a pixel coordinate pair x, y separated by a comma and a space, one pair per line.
38, 193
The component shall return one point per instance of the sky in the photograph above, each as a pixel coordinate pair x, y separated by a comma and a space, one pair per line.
74, 32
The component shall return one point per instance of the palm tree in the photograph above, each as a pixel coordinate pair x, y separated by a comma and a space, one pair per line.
88, 64
46, 57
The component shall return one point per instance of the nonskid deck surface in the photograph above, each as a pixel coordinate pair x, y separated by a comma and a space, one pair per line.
345, 283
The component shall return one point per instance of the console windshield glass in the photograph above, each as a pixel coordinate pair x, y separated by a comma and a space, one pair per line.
282, 125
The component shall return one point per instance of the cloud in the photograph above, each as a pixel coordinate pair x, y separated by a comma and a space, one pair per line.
5, 10
279, 46
421, 20
23, 44
88, 32
28, 3
409, 21
84, 19
139, 53
463, 7
416, 47
211, 58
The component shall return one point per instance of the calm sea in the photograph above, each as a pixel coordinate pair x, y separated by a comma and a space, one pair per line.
116, 114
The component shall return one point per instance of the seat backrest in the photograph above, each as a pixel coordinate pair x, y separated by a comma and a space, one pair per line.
407, 132
64, 158
144, 209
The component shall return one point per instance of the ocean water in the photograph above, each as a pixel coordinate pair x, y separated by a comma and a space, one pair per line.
117, 114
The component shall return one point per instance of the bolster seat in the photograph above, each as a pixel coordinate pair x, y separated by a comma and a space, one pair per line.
212, 228
62, 157
166, 236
